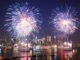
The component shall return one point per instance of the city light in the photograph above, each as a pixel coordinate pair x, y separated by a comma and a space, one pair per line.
68, 44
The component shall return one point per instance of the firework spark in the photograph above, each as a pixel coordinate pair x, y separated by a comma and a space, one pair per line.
64, 22
22, 21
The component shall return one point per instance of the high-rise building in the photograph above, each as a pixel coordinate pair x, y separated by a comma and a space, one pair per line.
43, 39
55, 39
48, 38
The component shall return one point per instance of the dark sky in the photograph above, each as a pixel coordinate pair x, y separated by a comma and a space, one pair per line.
46, 7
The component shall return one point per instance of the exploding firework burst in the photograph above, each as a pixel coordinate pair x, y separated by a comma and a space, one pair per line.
65, 22
22, 20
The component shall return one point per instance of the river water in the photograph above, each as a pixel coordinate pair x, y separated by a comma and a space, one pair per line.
43, 54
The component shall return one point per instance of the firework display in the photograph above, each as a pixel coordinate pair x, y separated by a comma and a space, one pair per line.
22, 20
65, 22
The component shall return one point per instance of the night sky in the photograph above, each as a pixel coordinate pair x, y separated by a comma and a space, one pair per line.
46, 7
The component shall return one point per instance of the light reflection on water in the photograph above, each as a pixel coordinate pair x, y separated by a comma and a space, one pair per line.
45, 54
